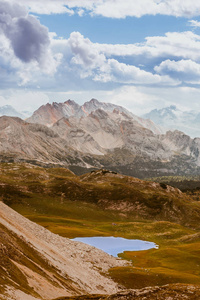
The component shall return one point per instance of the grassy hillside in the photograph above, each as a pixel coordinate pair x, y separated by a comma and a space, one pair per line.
103, 203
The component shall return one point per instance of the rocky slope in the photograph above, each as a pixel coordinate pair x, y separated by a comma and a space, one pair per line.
99, 131
37, 264
102, 138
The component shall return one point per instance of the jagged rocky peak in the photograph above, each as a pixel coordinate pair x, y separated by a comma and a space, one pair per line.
92, 105
94, 101
121, 143
72, 103
49, 114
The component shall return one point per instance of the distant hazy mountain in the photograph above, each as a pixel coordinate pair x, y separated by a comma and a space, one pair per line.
173, 118
8, 110
26, 113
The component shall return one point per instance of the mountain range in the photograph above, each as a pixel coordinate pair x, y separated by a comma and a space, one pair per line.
50, 113
157, 120
173, 118
97, 135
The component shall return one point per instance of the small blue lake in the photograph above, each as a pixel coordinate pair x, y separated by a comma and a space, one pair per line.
115, 245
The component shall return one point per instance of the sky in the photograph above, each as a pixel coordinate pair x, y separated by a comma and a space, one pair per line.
141, 54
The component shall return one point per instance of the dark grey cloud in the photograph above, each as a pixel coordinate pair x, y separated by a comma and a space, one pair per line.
28, 38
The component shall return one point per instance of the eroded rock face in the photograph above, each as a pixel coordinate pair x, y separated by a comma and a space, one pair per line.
37, 264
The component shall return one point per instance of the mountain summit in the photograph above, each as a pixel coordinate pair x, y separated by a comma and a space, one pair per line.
49, 114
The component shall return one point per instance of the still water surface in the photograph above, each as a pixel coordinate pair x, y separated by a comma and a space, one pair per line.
115, 245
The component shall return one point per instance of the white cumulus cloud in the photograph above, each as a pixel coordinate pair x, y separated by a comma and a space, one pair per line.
185, 70
194, 23
95, 64
25, 45
116, 8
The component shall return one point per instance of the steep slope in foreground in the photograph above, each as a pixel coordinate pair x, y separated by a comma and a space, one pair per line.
37, 264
